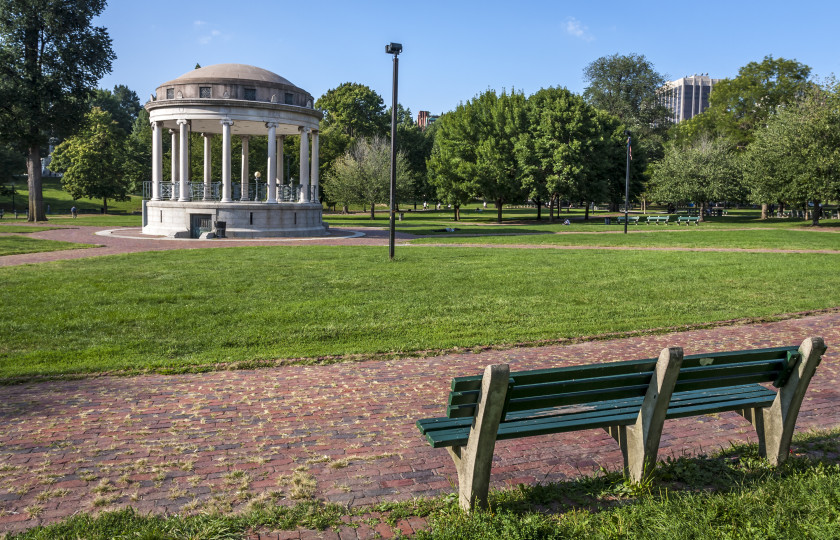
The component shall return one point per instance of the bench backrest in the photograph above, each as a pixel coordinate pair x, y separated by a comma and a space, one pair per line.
574, 385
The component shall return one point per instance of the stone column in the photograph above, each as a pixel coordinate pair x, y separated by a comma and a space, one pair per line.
271, 176
157, 159
244, 179
280, 165
304, 164
315, 171
208, 137
185, 160
174, 162
226, 186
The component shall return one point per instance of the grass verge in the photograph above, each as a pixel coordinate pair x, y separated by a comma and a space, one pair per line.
16, 245
731, 494
196, 309
662, 237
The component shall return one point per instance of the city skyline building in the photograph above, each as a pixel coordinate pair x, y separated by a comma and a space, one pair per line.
425, 118
687, 97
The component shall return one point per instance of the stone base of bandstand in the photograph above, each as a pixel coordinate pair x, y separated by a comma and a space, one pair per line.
242, 219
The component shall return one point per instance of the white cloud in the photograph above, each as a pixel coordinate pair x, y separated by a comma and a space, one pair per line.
577, 29
208, 37
199, 23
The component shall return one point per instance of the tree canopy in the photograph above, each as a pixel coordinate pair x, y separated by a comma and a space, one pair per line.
92, 160
122, 103
740, 106
51, 58
796, 156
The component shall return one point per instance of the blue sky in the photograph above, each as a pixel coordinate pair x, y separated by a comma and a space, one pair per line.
454, 50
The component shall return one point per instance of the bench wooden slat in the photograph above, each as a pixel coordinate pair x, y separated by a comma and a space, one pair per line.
454, 432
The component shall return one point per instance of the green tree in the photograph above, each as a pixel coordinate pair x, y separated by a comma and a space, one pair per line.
705, 171
92, 160
449, 166
363, 175
352, 111
796, 156
625, 86
740, 106
122, 103
137, 164
12, 163
51, 58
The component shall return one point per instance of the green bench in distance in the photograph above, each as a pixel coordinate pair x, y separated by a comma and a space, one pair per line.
688, 220
632, 220
658, 219
629, 399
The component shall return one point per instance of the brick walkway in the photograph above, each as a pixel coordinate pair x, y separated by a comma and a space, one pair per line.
342, 433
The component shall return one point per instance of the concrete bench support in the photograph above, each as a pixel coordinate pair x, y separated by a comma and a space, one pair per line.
473, 461
640, 442
775, 424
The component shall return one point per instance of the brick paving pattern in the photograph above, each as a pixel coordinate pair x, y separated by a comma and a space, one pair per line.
168, 444
342, 433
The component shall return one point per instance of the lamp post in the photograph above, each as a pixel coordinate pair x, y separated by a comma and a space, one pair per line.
256, 185
14, 208
395, 49
627, 183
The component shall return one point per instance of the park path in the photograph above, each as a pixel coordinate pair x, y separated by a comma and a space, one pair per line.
342, 433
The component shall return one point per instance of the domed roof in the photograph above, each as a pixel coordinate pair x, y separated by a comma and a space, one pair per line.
242, 72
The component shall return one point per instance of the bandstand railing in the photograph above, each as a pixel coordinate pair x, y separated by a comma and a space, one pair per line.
256, 192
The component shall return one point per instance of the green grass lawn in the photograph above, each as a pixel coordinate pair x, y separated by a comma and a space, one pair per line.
16, 245
523, 221
60, 201
693, 237
183, 309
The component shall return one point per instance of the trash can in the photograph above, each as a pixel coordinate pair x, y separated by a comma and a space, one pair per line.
606, 221
220, 227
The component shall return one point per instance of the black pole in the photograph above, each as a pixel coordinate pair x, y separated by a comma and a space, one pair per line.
627, 185
392, 226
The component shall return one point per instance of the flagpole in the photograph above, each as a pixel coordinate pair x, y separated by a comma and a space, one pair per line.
627, 184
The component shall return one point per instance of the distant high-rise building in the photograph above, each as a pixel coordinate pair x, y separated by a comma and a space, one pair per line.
424, 118
687, 97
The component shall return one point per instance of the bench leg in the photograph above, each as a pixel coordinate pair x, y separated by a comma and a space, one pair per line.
640, 442
473, 461
775, 424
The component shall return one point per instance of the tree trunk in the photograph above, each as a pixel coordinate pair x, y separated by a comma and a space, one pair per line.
763, 210
815, 214
345, 209
498, 210
36, 197
539, 210
702, 212
551, 210
457, 209
104, 205
372, 211
586, 210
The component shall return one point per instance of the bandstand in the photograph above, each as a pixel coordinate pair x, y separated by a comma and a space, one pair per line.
230, 100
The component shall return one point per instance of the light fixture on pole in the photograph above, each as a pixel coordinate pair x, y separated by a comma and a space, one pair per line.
257, 185
627, 182
395, 49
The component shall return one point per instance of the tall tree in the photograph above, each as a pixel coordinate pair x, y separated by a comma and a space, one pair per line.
363, 175
451, 164
796, 156
92, 160
705, 171
122, 103
352, 111
625, 86
51, 58
740, 106
137, 166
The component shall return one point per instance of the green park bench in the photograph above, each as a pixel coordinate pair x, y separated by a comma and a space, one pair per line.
632, 220
629, 399
658, 219
688, 220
